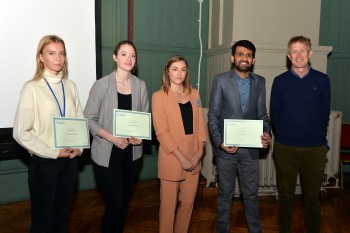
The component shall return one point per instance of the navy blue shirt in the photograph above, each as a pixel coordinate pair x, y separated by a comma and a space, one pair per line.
300, 108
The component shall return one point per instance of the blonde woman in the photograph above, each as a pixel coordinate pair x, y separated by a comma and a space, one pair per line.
52, 173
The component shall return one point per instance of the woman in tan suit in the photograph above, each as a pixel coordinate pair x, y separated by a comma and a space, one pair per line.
179, 126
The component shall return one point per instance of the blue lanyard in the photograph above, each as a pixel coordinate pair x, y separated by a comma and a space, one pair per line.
64, 98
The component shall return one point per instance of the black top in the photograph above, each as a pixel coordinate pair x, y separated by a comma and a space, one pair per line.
187, 117
124, 101
118, 155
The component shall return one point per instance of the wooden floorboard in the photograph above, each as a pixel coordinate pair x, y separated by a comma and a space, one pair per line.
87, 209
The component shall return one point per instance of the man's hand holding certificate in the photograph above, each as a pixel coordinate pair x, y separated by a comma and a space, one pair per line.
129, 124
243, 133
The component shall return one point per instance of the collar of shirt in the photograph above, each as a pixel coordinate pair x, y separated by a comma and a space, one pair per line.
242, 81
236, 75
296, 74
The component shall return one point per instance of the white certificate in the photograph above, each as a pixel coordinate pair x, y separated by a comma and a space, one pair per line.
243, 133
132, 124
71, 132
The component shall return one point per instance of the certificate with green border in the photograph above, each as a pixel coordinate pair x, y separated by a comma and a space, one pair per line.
71, 132
132, 124
243, 133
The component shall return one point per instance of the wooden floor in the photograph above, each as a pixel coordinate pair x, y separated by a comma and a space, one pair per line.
143, 214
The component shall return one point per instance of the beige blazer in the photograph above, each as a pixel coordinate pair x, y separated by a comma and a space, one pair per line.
169, 129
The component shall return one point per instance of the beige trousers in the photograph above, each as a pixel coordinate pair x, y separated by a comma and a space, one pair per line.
176, 203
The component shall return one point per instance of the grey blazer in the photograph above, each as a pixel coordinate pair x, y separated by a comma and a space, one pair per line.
225, 103
103, 99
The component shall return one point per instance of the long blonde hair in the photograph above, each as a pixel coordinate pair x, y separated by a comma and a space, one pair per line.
40, 67
187, 87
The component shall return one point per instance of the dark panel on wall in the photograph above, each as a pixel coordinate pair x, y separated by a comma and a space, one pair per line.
163, 28
334, 31
114, 22
98, 39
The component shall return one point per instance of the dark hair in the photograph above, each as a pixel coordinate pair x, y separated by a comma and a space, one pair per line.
123, 42
166, 79
244, 43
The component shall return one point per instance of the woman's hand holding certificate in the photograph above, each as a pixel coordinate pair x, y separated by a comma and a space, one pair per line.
130, 124
71, 133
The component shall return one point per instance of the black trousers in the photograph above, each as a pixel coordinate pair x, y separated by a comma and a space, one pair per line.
51, 186
116, 183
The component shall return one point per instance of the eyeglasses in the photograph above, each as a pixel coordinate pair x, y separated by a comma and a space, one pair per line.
247, 55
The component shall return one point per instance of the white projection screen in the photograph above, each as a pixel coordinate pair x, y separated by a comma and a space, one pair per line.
22, 24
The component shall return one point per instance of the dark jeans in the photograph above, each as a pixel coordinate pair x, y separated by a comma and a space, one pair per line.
310, 162
115, 183
51, 186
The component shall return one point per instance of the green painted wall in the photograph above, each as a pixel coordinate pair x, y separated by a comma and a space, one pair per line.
13, 176
166, 27
161, 28
334, 31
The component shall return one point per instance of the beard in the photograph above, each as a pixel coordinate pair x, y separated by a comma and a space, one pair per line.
243, 68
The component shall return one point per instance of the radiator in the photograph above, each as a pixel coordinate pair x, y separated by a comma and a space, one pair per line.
208, 167
333, 137
268, 179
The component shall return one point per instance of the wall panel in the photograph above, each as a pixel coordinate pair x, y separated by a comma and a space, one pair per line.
334, 31
163, 28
